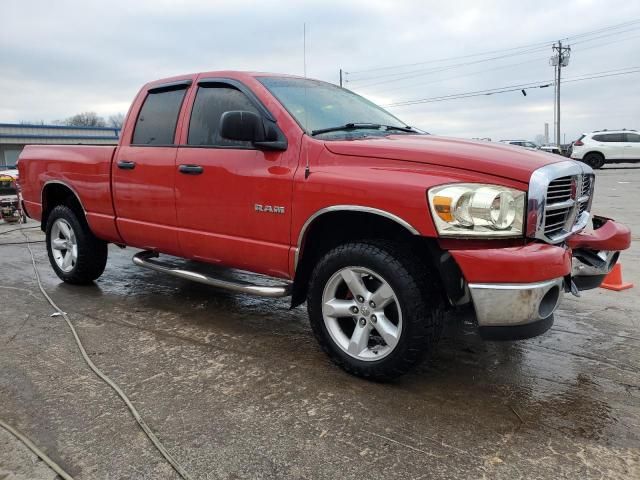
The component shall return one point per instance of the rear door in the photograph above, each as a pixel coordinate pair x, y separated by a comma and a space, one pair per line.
143, 173
632, 146
233, 201
611, 144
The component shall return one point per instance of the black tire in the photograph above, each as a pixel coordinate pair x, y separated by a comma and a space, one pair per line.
419, 297
91, 251
594, 159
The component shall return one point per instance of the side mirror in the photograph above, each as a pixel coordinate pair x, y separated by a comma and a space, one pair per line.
241, 126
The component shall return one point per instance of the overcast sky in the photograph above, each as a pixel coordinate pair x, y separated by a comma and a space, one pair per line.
58, 58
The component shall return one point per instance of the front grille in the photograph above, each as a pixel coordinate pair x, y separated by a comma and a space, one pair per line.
567, 198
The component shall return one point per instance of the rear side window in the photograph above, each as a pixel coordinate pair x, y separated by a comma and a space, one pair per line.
633, 137
210, 103
156, 123
609, 137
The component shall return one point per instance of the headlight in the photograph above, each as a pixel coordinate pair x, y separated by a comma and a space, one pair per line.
477, 210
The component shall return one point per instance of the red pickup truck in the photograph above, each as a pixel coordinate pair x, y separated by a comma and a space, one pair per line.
379, 227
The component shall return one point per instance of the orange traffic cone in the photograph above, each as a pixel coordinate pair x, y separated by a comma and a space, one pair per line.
613, 281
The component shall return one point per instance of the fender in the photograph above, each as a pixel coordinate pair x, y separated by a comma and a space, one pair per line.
349, 208
59, 182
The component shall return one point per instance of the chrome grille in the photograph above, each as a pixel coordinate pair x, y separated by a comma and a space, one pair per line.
559, 200
585, 191
559, 190
567, 199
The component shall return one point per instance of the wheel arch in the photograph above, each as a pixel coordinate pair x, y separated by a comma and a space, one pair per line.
56, 192
331, 226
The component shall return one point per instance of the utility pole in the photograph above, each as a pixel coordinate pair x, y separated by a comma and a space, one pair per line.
559, 60
340, 78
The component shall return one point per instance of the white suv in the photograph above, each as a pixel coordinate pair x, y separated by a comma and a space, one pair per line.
607, 146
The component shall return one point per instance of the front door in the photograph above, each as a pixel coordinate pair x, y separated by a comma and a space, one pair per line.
632, 146
144, 175
233, 201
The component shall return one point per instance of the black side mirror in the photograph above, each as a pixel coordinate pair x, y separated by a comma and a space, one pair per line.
241, 126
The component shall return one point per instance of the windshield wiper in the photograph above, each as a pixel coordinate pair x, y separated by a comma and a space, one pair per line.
362, 126
402, 129
347, 126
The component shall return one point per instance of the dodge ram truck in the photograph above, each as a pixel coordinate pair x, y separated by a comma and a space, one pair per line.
384, 231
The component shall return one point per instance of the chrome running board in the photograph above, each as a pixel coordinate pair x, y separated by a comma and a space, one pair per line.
144, 259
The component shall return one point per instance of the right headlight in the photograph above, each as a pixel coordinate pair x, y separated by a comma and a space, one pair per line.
477, 210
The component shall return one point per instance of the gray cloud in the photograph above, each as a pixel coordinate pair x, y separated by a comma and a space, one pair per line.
59, 58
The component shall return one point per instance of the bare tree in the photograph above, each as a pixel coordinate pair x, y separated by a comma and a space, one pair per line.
84, 119
116, 120
539, 139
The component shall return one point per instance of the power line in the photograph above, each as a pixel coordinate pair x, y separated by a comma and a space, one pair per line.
405, 86
475, 93
606, 35
468, 74
421, 72
526, 48
539, 44
513, 88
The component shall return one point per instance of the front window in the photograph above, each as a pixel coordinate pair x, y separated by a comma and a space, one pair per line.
317, 105
210, 103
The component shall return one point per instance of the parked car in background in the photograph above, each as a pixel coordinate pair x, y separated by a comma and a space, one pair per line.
550, 149
10, 170
607, 146
521, 143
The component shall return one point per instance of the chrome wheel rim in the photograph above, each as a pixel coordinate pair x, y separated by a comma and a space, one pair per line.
362, 313
64, 245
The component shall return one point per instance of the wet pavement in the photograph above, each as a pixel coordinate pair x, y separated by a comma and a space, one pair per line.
236, 387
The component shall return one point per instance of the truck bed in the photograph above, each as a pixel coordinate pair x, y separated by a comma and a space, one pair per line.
85, 169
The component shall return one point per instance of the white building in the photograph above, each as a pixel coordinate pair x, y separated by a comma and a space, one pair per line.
13, 138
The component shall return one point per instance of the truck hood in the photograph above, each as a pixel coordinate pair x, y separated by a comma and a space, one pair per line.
506, 161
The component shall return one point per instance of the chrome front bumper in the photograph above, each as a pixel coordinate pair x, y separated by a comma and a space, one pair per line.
515, 304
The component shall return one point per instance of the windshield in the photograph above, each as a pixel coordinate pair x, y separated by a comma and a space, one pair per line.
319, 105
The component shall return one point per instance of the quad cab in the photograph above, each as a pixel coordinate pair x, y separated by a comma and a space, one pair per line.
378, 227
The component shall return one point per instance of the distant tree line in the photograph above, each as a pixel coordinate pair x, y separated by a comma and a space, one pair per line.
85, 119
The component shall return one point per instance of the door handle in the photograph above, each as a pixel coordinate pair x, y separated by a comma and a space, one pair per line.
191, 169
126, 165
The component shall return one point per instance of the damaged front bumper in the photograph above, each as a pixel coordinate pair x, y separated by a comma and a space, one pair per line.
515, 290
596, 251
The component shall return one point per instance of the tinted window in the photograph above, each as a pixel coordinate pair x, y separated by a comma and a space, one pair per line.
609, 137
156, 124
633, 137
211, 102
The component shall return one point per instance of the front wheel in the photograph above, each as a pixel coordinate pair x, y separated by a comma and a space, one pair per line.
75, 254
374, 309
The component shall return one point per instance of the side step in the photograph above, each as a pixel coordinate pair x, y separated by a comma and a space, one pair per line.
144, 259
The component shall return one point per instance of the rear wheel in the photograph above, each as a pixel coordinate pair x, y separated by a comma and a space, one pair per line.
594, 160
75, 254
374, 309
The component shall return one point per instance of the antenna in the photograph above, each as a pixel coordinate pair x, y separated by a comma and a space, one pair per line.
307, 171
304, 49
